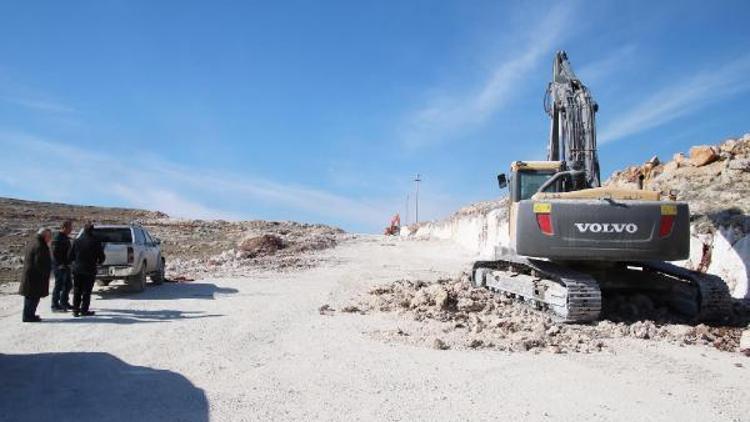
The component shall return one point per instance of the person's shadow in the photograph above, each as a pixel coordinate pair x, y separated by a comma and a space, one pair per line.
94, 387
167, 291
131, 316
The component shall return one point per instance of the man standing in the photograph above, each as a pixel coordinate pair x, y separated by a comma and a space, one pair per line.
37, 265
88, 252
61, 265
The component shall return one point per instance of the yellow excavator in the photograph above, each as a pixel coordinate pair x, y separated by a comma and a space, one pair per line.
573, 241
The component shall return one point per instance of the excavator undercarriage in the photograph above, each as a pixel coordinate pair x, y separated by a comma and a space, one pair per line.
574, 292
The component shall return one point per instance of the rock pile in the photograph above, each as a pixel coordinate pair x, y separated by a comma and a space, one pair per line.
450, 313
266, 244
283, 246
712, 178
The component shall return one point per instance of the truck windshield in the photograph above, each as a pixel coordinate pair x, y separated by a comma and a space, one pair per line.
113, 235
531, 181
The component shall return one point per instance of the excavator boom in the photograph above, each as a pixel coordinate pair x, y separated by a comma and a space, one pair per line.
572, 110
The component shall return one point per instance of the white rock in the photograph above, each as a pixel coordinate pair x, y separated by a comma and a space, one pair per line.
730, 260
745, 341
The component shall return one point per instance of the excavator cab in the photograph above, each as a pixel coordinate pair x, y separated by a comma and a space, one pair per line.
528, 176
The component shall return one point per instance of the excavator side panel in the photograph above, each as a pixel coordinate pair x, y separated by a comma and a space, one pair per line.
603, 230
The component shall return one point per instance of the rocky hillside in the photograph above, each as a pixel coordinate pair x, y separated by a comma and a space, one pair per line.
713, 179
192, 248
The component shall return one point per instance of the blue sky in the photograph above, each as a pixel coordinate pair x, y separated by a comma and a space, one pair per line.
323, 111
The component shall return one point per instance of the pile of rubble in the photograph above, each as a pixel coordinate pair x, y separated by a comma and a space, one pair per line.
450, 313
262, 246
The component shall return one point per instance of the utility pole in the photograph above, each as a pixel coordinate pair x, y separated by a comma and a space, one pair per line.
417, 179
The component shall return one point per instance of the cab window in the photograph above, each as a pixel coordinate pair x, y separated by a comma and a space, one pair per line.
139, 239
528, 183
149, 240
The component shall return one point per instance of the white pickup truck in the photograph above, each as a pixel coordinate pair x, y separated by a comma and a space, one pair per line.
131, 255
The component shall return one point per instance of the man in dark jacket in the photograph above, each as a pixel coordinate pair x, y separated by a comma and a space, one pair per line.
88, 252
61, 265
37, 265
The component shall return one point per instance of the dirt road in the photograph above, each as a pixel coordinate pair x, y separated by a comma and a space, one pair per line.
258, 349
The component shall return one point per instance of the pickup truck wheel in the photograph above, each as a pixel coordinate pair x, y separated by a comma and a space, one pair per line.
158, 277
138, 282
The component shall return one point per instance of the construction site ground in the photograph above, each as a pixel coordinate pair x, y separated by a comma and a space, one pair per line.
275, 346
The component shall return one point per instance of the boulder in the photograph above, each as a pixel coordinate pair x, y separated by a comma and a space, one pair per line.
728, 146
643, 329
739, 165
439, 344
266, 244
702, 155
441, 298
468, 305
671, 166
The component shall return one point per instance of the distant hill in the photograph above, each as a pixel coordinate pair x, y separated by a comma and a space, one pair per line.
191, 247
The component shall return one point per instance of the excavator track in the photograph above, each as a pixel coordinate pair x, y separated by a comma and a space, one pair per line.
713, 302
575, 296
570, 295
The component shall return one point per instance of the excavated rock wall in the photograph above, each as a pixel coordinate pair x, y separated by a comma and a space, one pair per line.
480, 227
713, 179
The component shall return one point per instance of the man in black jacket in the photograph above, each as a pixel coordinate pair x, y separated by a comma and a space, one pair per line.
88, 252
61, 266
37, 264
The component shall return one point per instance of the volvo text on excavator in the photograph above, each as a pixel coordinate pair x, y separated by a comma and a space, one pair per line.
573, 241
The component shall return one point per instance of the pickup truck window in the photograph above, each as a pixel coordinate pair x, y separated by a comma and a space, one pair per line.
139, 239
113, 235
149, 240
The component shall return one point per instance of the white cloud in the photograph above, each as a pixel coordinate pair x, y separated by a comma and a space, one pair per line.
63, 172
169, 202
615, 62
445, 117
40, 104
684, 97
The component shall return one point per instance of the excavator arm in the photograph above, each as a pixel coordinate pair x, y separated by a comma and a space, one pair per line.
572, 138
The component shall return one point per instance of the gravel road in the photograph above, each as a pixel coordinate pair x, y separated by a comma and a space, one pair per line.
257, 348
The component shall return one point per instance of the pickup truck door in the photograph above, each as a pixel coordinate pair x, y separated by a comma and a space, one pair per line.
153, 252
141, 250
